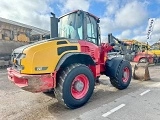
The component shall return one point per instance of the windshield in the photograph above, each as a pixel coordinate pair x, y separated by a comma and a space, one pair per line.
70, 26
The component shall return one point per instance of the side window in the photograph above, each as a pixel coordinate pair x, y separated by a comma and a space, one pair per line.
91, 30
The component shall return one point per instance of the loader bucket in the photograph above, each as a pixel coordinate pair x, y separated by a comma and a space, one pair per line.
141, 72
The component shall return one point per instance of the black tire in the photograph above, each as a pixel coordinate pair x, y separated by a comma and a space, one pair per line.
155, 60
143, 60
65, 77
118, 81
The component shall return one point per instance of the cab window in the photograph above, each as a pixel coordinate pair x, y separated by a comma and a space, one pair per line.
70, 26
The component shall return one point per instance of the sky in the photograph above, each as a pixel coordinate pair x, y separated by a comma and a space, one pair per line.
125, 19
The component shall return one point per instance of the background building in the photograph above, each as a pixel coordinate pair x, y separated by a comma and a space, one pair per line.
156, 46
11, 30
14, 34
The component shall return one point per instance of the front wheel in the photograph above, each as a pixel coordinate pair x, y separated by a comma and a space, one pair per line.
75, 85
155, 60
123, 76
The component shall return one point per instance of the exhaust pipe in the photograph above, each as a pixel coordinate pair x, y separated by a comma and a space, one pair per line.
54, 26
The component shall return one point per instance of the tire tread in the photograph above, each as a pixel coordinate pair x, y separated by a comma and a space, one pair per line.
115, 80
61, 79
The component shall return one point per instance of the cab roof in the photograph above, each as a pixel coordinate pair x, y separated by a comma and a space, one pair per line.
82, 11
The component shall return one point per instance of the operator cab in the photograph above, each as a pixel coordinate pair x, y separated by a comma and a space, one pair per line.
79, 25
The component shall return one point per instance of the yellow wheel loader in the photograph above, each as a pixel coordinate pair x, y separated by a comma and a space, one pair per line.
70, 62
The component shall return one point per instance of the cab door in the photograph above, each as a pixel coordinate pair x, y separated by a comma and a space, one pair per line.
92, 37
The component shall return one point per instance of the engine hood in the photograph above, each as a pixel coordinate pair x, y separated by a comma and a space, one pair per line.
22, 48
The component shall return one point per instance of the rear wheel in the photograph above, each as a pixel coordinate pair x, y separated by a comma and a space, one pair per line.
75, 85
123, 76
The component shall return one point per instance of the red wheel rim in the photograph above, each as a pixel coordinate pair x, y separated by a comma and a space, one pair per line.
125, 74
79, 86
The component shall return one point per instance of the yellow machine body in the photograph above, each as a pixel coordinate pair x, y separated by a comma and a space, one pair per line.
36, 56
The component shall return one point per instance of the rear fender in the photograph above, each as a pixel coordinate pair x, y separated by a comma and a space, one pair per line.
111, 66
74, 58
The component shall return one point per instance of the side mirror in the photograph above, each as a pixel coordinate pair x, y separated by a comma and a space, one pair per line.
112, 44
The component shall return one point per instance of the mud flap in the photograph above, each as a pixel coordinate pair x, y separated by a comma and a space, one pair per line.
141, 72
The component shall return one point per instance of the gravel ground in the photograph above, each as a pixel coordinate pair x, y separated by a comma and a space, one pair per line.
17, 104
